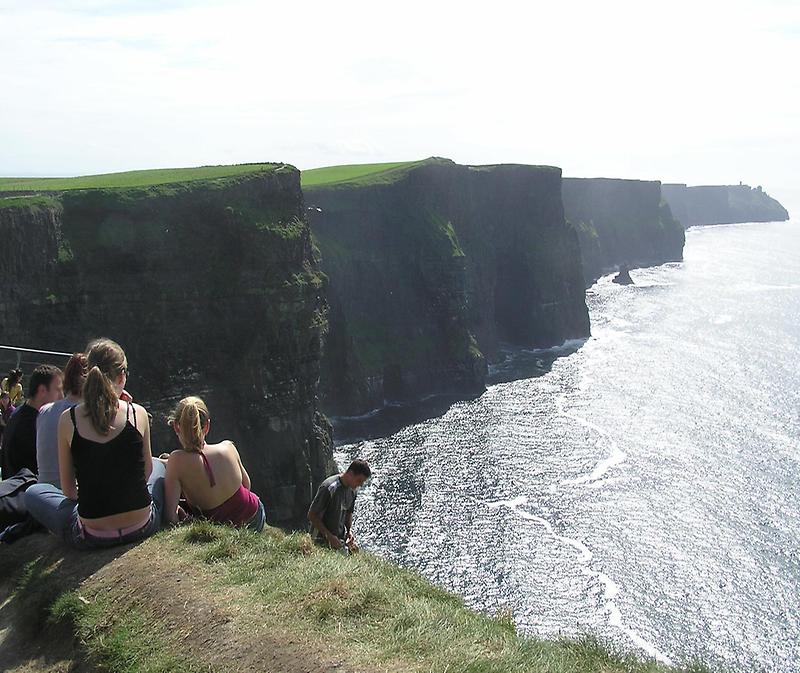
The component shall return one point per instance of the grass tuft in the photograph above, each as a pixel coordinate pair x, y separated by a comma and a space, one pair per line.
202, 532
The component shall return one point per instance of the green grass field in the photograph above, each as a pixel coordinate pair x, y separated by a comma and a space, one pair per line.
147, 178
356, 173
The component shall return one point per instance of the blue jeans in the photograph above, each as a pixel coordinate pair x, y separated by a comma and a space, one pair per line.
259, 519
51, 508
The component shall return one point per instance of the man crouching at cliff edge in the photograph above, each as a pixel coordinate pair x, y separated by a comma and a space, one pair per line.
331, 512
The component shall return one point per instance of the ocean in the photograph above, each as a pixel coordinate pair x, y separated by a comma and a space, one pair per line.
641, 486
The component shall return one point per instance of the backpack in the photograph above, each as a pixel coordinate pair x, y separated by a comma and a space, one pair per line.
12, 492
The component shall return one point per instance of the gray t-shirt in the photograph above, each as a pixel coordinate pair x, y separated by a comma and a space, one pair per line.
333, 502
47, 441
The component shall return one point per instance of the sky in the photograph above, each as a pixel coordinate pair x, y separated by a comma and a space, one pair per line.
702, 92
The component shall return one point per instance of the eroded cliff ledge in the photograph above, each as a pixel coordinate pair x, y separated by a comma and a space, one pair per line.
431, 266
722, 204
621, 223
210, 286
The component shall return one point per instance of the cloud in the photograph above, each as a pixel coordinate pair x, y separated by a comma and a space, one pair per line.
701, 91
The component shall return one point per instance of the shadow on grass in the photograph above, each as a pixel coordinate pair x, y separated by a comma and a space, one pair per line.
34, 573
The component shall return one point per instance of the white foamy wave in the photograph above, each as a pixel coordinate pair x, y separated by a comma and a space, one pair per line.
585, 558
616, 457
567, 346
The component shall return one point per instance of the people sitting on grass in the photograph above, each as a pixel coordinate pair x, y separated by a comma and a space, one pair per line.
331, 512
19, 437
210, 476
113, 490
12, 384
49, 415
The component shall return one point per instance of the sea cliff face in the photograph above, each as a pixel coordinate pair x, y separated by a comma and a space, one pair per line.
722, 204
431, 266
211, 288
621, 223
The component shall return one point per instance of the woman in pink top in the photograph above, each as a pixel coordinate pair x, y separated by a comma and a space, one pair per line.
210, 476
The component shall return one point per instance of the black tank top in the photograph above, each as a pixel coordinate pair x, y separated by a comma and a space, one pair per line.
110, 475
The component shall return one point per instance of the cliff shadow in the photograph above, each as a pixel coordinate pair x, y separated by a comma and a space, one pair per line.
391, 418
514, 363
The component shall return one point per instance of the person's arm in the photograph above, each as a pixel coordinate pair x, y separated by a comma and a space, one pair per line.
316, 521
143, 421
348, 526
172, 491
66, 470
318, 507
245, 476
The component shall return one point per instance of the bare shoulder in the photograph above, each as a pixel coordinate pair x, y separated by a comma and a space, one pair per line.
65, 417
230, 446
225, 446
177, 458
139, 409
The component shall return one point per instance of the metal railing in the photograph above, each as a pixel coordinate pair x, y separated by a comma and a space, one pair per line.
14, 357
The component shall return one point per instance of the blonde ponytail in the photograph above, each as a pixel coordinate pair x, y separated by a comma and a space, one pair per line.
191, 416
106, 361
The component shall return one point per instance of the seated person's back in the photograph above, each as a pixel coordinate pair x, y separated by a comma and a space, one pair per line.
210, 476
49, 416
112, 490
222, 462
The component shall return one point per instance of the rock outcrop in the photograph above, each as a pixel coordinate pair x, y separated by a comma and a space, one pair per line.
621, 223
211, 288
723, 204
431, 266
623, 277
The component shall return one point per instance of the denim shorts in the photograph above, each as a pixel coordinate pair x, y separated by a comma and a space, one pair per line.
258, 520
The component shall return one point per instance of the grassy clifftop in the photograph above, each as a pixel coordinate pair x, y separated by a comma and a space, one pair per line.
359, 175
209, 598
145, 178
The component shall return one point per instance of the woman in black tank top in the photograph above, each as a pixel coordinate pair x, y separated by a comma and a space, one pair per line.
105, 463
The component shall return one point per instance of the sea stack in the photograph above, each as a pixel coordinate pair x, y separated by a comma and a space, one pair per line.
623, 277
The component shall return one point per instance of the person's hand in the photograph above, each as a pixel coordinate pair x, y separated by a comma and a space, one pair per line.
334, 542
351, 543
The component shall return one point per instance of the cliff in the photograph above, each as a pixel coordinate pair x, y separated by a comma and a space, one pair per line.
211, 287
621, 223
724, 204
432, 265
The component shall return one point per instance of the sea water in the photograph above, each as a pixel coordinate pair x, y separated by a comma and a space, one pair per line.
644, 487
